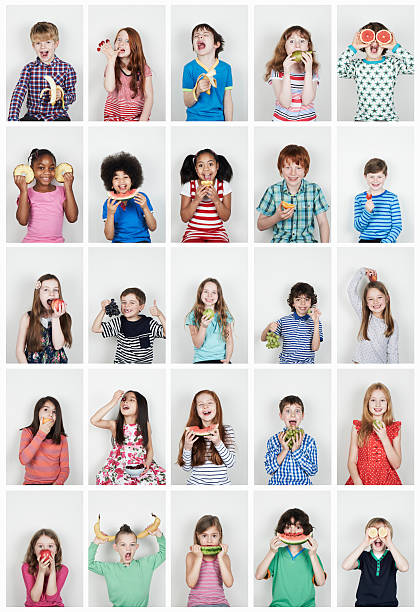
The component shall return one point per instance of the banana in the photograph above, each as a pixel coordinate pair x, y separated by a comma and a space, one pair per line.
52, 90
106, 538
153, 527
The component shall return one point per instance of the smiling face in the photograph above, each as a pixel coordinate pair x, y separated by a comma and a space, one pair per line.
121, 182
44, 47
48, 411
296, 42
45, 543
302, 304
128, 405
122, 44
206, 167
293, 173
378, 404
376, 302
292, 415
126, 547
209, 295
206, 407
209, 537
49, 290
44, 170
375, 181
203, 42
130, 306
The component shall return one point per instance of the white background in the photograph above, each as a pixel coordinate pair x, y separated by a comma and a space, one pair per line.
68, 20
270, 23
105, 22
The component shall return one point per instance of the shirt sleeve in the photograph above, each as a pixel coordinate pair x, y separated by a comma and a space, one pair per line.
29, 445
19, 94
307, 457
186, 456
320, 202
275, 76
188, 82
156, 329
226, 188
227, 453
267, 205
147, 71
279, 328
64, 462
70, 85
185, 189
28, 579
346, 66
362, 217
111, 328
405, 60
396, 223
353, 293
321, 332
392, 348
273, 450
94, 566
160, 556
190, 320
229, 82
60, 580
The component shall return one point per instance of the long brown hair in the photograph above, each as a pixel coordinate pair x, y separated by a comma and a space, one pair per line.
33, 335
136, 63
206, 521
276, 62
366, 314
30, 557
58, 430
366, 427
220, 307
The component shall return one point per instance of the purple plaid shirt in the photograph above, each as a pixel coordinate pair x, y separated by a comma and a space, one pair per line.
32, 82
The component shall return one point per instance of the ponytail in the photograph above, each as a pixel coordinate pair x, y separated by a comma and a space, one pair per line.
189, 173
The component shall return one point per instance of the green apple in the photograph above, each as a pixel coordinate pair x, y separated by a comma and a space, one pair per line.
209, 313
297, 55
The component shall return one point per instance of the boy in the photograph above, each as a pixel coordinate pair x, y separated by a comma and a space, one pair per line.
294, 463
207, 81
377, 214
289, 207
44, 38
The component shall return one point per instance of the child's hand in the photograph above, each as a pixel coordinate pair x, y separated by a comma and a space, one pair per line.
58, 96
200, 193
112, 205
287, 64
315, 314
117, 396
283, 442
44, 564
313, 546
369, 206
387, 540
205, 321
68, 179
140, 199
98, 541
196, 551
56, 314
273, 326
307, 60
282, 214
275, 544
20, 182
380, 431
367, 540
203, 85
108, 50
214, 436
104, 303
154, 310
212, 193
157, 533
46, 427
370, 272
298, 442
189, 439
357, 43
223, 552
391, 43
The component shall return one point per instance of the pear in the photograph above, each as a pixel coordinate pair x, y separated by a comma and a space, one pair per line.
297, 55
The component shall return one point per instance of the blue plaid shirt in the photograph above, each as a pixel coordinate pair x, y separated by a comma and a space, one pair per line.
297, 467
32, 82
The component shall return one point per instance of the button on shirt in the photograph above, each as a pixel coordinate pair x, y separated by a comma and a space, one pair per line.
297, 333
297, 467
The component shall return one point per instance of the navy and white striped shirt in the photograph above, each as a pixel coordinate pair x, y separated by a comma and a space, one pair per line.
297, 333
383, 222
210, 473
134, 338
297, 467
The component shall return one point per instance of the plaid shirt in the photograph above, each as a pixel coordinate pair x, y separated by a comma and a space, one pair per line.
32, 82
309, 202
297, 466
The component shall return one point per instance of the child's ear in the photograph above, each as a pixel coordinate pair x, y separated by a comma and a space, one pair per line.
141, 307
137, 545
114, 546
56, 43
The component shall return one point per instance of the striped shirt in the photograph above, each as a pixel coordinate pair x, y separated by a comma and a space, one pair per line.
383, 222
134, 338
205, 225
208, 589
297, 333
297, 467
296, 111
44, 461
120, 105
210, 473
309, 202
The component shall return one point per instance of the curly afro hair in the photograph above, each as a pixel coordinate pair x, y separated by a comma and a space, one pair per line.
125, 162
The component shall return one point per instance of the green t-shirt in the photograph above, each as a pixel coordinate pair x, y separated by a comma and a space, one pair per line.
128, 586
293, 584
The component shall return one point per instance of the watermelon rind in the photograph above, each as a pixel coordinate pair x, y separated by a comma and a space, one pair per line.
293, 539
210, 550
123, 196
201, 432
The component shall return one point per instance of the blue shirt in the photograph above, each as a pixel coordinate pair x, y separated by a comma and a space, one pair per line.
296, 467
209, 107
297, 333
383, 222
129, 224
214, 345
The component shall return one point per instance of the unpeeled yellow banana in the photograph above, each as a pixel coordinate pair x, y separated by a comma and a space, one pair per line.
106, 538
52, 90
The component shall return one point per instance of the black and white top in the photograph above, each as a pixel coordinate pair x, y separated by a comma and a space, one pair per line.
134, 338
210, 473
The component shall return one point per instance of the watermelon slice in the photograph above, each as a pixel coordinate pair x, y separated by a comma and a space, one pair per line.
121, 197
293, 538
210, 550
384, 37
198, 431
367, 36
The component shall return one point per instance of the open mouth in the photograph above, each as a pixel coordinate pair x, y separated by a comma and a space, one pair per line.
292, 423
374, 47
127, 556
206, 413
43, 54
201, 46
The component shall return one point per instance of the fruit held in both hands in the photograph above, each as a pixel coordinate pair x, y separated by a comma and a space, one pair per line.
384, 37
291, 435
297, 55
367, 36
372, 532
24, 170
206, 183
210, 550
62, 169
106, 538
45, 554
55, 304
273, 340
201, 431
293, 538
122, 197
209, 313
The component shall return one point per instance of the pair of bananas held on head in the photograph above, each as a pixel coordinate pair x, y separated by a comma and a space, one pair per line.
106, 538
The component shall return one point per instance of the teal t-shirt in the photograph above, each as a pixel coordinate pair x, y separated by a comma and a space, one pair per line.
214, 345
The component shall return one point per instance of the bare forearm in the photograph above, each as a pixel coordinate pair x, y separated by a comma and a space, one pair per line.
198, 338
187, 211
393, 456
285, 97
354, 474
147, 108
194, 572
308, 89
22, 213
228, 107
264, 222
316, 340
189, 100
265, 332
109, 227
229, 347
350, 561
324, 231
52, 584
71, 210
150, 220
109, 82
36, 590
162, 319
58, 339
222, 210
97, 324
262, 568
225, 573
319, 574
400, 561
99, 414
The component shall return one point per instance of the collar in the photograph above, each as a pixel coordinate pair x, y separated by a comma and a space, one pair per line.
365, 61
54, 61
298, 318
293, 195
206, 68
297, 555
379, 559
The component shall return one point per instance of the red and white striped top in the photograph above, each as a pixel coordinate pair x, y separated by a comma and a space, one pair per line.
120, 106
44, 461
205, 225
297, 111
209, 586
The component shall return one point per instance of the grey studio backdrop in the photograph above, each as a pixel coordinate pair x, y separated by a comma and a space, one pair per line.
352, 385
232, 390
33, 509
22, 273
399, 19
355, 509
69, 22
102, 385
313, 388
225, 19
149, 148
234, 146
66, 143
29, 386
105, 22
269, 24
231, 507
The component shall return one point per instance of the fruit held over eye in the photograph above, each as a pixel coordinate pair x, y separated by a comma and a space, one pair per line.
273, 340
24, 170
292, 434
297, 55
384, 37
372, 532
209, 313
55, 304
367, 36
383, 532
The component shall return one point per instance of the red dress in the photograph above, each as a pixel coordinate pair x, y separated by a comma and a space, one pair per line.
372, 463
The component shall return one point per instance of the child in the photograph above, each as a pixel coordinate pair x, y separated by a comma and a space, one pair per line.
210, 324
128, 78
295, 570
130, 461
375, 445
205, 196
208, 456
46, 329
125, 220
207, 573
43, 573
128, 581
377, 341
42, 207
291, 464
43, 445
377, 213
32, 81
378, 569
135, 332
302, 329
375, 75
293, 73
290, 206
207, 81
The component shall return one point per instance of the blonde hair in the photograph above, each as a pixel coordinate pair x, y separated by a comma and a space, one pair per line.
366, 427
45, 30
377, 519
366, 313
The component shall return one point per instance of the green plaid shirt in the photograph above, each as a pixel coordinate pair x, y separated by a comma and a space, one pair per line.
309, 202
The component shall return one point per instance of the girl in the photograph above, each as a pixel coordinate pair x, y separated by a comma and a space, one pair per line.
207, 573
375, 444
44, 330
130, 461
378, 333
43, 573
375, 75
210, 324
128, 78
293, 73
205, 196
125, 220
208, 456
43, 445
43, 206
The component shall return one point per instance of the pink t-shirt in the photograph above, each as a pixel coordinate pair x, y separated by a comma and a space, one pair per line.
46, 215
120, 106
45, 600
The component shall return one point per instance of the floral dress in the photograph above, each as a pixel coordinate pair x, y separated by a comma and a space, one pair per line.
132, 452
47, 354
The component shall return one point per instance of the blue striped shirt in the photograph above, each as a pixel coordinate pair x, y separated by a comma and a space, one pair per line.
383, 222
297, 467
297, 333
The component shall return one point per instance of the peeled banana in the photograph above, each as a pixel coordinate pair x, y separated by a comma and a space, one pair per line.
52, 89
106, 538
